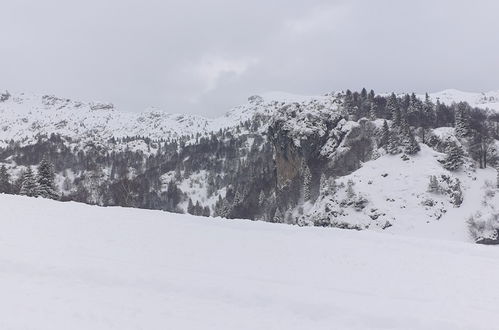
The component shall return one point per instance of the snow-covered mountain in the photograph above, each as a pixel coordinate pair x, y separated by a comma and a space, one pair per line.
352, 160
25, 116
69, 265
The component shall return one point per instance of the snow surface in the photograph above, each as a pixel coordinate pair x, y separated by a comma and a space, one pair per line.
74, 266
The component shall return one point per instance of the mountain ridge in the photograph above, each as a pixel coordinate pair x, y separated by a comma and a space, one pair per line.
26, 116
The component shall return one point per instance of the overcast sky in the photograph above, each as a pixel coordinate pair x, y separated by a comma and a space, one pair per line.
206, 56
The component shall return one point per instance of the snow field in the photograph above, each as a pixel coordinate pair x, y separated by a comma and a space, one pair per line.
74, 266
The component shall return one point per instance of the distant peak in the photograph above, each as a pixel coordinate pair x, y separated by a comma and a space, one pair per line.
287, 97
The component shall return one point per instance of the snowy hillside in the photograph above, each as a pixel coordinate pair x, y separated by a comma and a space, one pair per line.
488, 100
397, 198
75, 266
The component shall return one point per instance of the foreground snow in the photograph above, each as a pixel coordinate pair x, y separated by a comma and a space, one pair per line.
73, 266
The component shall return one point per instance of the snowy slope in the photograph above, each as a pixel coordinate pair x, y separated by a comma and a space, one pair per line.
397, 199
402, 194
73, 266
488, 100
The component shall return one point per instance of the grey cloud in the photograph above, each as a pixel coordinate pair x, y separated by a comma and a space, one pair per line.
205, 56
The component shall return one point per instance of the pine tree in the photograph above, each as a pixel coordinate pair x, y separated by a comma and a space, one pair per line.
238, 198
5, 185
225, 209
410, 145
198, 209
206, 211
45, 180
454, 157
373, 111
385, 135
462, 120
392, 108
393, 146
429, 116
350, 105
190, 207
307, 182
29, 187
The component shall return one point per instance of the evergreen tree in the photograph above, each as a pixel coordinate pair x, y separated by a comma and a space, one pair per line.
29, 187
454, 157
206, 211
393, 145
409, 143
238, 198
45, 180
393, 109
373, 111
223, 208
198, 209
349, 103
404, 125
462, 120
385, 135
5, 185
429, 116
363, 94
190, 207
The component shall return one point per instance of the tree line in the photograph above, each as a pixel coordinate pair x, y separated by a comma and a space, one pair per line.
29, 183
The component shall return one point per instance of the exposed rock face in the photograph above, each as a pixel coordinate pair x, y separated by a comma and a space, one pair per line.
320, 139
350, 144
288, 164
